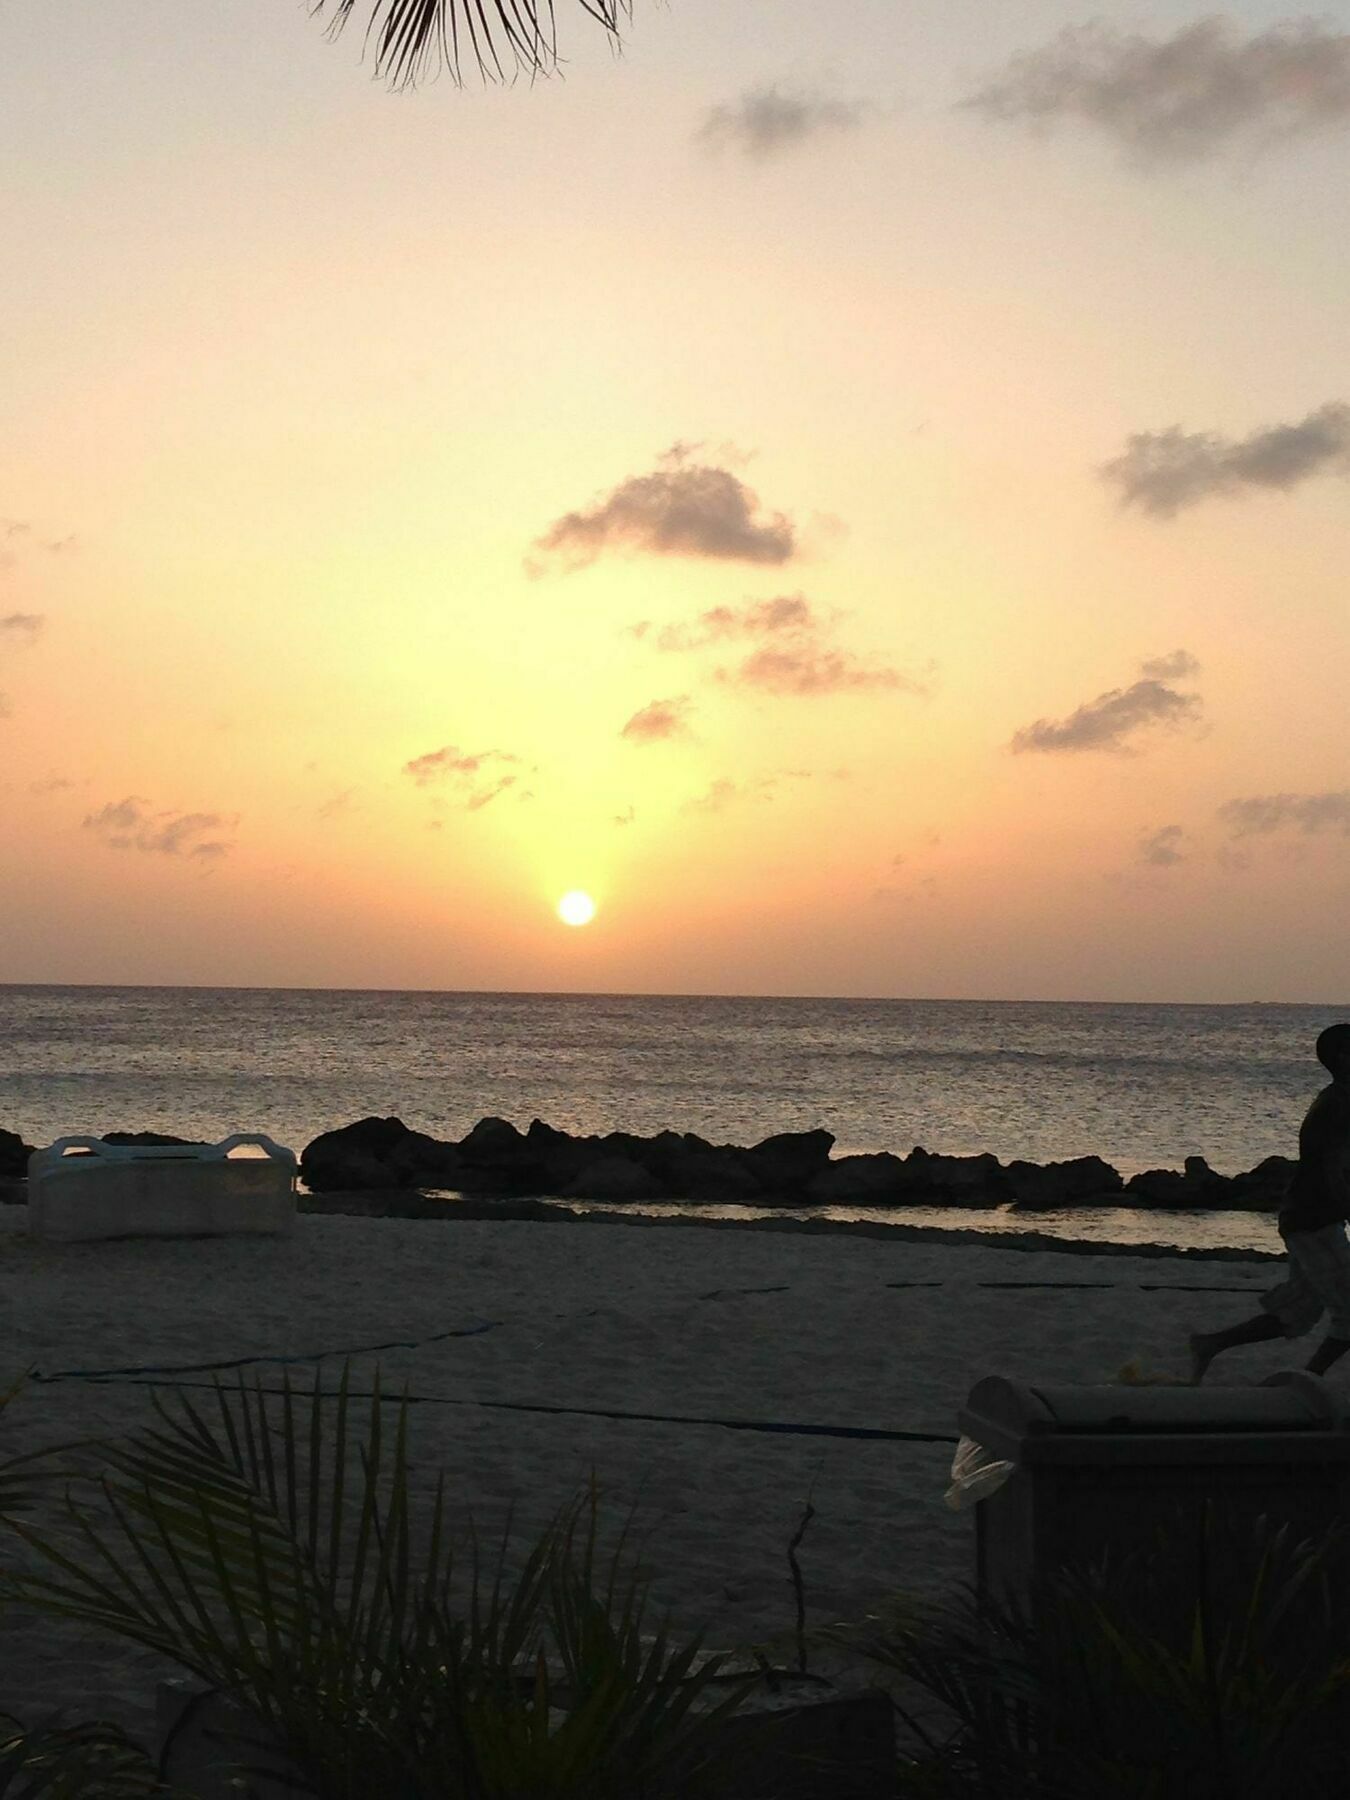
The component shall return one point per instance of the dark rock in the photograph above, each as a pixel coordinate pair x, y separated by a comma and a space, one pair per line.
614, 1178
954, 1180
1159, 1187
859, 1181
354, 1156
14, 1155
417, 1160
1067, 1183
787, 1161
149, 1139
491, 1141
1196, 1185
717, 1174
1262, 1189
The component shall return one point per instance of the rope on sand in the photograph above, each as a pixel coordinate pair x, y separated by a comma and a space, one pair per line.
245, 1362
778, 1427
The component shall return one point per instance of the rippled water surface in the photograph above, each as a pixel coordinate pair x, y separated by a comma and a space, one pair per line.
1143, 1086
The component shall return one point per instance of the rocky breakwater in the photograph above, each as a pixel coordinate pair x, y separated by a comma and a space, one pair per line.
497, 1161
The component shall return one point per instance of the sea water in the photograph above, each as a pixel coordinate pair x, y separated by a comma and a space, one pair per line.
1142, 1085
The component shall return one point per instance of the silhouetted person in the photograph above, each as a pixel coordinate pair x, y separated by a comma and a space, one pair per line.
1312, 1224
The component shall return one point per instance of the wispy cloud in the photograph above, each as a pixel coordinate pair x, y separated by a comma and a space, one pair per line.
475, 777
659, 721
814, 669
724, 791
336, 805
1163, 847
681, 508
1111, 720
1261, 815
757, 618
793, 655
132, 824
51, 784
25, 627
764, 122
1163, 472
1182, 98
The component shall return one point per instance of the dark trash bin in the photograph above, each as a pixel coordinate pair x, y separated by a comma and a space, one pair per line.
1106, 1475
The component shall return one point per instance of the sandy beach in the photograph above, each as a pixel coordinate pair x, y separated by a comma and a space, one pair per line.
689, 1322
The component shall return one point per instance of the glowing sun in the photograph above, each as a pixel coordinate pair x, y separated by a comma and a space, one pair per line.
576, 908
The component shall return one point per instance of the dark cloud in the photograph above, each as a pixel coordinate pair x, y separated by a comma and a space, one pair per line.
1163, 472
659, 721
764, 122
25, 626
1181, 98
473, 776
1172, 667
1106, 722
131, 824
757, 618
812, 668
1162, 848
1260, 815
682, 508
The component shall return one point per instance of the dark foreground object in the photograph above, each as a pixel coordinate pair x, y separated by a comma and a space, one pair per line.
792, 1168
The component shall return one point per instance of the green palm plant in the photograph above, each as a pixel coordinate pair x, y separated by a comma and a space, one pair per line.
266, 1542
1111, 1681
412, 39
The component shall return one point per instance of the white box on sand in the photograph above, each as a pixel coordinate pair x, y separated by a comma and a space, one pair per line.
82, 1187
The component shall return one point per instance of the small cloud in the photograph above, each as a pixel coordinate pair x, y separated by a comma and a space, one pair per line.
1106, 722
1260, 815
763, 122
1161, 849
625, 818
61, 546
1181, 98
130, 825
25, 627
1163, 472
484, 796
1173, 667
757, 618
659, 721
473, 775
15, 528
337, 805
682, 508
813, 669
51, 784
715, 799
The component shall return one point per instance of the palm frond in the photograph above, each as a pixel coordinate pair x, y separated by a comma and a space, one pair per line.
269, 1543
412, 40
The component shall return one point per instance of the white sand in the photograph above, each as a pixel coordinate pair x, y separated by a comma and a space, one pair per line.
609, 1316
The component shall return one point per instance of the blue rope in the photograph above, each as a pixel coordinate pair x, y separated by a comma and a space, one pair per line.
778, 1427
245, 1362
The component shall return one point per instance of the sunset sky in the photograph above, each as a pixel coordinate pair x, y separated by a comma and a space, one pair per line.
859, 489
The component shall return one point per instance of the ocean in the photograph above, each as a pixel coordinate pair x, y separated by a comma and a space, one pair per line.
1142, 1085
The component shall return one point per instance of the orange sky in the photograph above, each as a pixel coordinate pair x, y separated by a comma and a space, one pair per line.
705, 480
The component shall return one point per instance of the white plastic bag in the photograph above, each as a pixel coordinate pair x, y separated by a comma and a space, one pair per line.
975, 1475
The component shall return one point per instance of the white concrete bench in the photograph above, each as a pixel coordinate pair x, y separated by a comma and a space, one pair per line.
82, 1187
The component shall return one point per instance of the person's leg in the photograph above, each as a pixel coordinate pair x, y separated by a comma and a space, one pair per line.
1204, 1346
1286, 1311
1323, 1259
